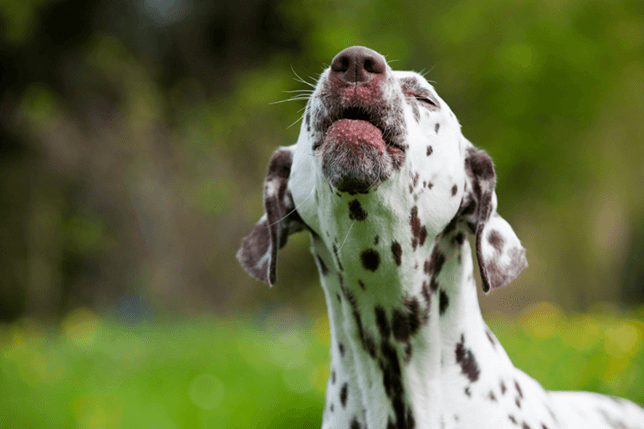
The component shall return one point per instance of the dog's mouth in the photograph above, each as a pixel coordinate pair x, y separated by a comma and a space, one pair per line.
357, 149
356, 126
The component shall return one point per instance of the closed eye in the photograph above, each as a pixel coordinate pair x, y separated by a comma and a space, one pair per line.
427, 100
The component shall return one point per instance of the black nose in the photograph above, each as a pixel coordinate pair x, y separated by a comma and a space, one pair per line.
357, 64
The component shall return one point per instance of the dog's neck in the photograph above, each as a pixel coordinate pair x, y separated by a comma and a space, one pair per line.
404, 339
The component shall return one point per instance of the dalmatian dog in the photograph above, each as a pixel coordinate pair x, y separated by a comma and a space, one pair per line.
388, 189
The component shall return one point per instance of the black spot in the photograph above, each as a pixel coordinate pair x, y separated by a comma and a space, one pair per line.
466, 359
390, 376
356, 212
335, 252
436, 127
435, 263
423, 236
430, 149
344, 391
496, 240
370, 259
524, 425
459, 238
503, 388
382, 322
418, 231
362, 285
369, 344
491, 396
490, 337
454, 190
337, 295
332, 377
307, 121
396, 250
430, 185
407, 352
392, 380
414, 179
412, 307
427, 297
516, 385
543, 426
433, 284
400, 325
467, 392
323, 267
443, 302
390, 423
375, 240
341, 348
331, 407
512, 419
354, 423
518, 402
365, 339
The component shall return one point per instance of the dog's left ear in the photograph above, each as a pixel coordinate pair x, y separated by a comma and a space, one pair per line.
499, 252
258, 252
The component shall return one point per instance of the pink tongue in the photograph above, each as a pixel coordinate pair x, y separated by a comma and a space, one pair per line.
355, 132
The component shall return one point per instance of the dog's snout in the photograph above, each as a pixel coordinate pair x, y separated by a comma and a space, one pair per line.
357, 64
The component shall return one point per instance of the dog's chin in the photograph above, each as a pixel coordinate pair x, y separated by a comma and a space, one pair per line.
355, 156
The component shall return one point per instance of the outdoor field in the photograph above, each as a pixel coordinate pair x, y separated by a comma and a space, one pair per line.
135, 139
263, 371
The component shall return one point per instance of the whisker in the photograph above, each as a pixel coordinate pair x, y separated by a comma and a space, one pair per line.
292, 211
424, 73
299, 79
345, 238
290, 99
296, 121
376, 179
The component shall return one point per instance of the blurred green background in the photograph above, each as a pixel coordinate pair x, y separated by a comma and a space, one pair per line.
134, 139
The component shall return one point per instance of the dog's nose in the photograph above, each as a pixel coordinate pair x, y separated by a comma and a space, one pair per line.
357, 64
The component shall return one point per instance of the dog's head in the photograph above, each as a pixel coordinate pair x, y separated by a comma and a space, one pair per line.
380, 149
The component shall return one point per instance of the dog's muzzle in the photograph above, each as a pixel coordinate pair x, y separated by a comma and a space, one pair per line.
360, 145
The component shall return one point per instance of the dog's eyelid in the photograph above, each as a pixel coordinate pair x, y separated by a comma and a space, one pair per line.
427, 98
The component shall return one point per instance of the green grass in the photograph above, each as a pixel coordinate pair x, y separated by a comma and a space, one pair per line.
271, 373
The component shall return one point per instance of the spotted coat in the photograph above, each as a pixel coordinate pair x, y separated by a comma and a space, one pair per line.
389, 189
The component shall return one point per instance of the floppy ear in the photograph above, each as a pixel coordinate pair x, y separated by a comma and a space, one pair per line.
499, 252
258, 252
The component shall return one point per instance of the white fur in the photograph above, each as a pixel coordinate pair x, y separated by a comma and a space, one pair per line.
442, 389
436, 391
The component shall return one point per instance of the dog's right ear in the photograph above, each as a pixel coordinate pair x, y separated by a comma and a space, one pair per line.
258, 252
